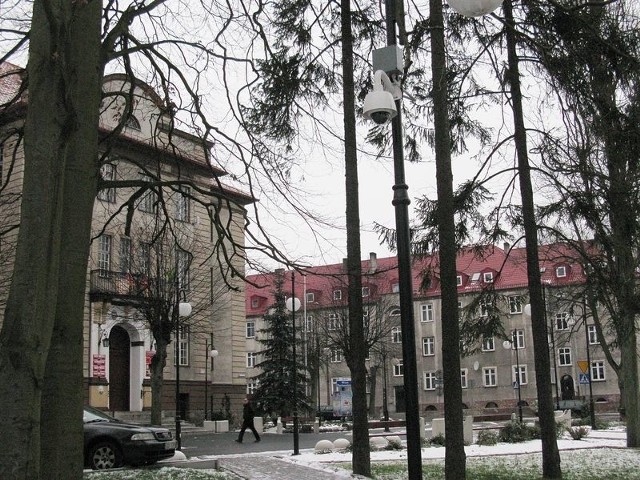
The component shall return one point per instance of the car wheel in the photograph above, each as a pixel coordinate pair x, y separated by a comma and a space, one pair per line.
104, 455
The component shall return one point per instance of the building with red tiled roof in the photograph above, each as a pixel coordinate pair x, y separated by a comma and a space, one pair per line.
492, 274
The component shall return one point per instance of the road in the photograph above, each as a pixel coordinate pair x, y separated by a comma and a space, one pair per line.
196, 444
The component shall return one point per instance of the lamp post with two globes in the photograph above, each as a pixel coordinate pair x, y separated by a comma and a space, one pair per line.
182, 309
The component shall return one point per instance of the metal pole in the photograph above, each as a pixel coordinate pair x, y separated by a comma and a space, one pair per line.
177, 354
206, 377
401, 203
592, 412
515, 344
553, 346
385, 407
296, 439
318, 375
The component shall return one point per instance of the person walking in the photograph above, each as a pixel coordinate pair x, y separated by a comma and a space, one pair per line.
247, 420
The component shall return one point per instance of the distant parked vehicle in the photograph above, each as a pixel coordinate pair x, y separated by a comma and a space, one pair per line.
110, 443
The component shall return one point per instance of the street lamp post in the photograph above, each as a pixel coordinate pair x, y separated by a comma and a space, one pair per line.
210, 355
513, 345
519, 383
292, 305
592, 413
182, 309
385, 406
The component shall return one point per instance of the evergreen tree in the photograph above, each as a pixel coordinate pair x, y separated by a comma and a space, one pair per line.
274, 395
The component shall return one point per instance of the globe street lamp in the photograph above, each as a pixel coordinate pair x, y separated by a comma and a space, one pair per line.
293, 304
514, 345
183, 310
210, 354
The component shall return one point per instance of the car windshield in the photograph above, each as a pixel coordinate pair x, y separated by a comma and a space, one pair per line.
93, 415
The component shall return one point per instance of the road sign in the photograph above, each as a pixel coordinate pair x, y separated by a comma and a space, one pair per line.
584, 379
583, 365
515, 385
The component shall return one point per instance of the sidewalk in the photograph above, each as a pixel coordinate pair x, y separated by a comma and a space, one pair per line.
260, 467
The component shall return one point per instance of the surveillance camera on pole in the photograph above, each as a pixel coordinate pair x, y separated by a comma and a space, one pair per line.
380, 104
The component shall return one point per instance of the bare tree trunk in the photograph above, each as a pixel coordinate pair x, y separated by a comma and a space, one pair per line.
455, 457
550, 453
356, 358
158, 362
47, 292
373, 383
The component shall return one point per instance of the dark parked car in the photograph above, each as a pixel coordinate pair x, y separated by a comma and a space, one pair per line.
110, 443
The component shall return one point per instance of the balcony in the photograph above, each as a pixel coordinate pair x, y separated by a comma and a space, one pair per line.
107, 285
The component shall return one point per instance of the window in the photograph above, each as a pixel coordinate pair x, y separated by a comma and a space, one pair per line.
336, 355
334, 321
104, 253
592, 334
308, 323
144, 257
430, 380
562, 321
522, 378
428, 346
132, 123
488, 344
334, 385
515, 305
489, 377
251, 329
365, 291
337, 294
561, 271
183, 346
398, 369
148, 200
464, 378
255, 302
485, 308
395, 312
459, 280
564, 356
183, 261
487, 277
252, 386
183, 203
311, 297
518, 339
107, 174
125, 254
426, 312
597, 371
251, 359
395, 288
396, 335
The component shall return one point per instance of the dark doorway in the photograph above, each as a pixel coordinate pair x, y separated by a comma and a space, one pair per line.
566, 387
119, 369
400, 402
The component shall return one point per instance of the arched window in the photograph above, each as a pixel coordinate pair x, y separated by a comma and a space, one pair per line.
132, 123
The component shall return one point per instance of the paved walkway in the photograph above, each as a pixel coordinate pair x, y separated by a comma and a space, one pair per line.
267, 467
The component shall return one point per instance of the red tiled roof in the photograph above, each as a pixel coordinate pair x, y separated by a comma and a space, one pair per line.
508, 271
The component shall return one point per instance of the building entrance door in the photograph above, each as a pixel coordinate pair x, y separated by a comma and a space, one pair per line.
119, 369
567, 388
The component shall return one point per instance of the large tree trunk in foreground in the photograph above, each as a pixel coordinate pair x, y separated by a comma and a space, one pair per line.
41, 341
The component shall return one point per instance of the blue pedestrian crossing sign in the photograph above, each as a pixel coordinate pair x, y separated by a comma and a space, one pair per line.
584, 378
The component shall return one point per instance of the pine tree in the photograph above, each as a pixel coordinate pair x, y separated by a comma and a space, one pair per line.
274, 395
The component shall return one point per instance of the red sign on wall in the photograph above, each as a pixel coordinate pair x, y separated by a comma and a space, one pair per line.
149, 356
99, 366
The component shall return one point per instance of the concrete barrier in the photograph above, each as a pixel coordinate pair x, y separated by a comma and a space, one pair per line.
222, 426
258, 424
437, 428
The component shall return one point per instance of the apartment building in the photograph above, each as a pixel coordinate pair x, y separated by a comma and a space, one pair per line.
497, 371
153, 238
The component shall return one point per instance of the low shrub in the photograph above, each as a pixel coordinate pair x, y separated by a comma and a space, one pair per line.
578, 433
487, 437
516, 432
438, 440
394, 444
